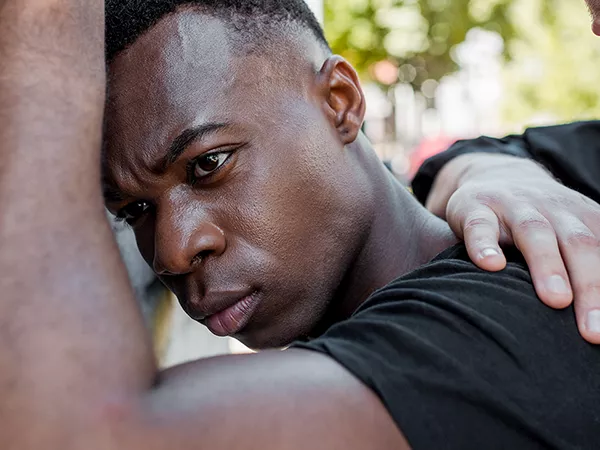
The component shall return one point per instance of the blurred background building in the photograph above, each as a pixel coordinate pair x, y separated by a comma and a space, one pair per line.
435, 71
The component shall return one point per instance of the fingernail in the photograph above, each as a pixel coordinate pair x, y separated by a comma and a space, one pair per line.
593, 321
557, 284
489, 252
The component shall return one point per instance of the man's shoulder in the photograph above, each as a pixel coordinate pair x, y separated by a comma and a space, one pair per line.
452, 278
451, 349
454, 262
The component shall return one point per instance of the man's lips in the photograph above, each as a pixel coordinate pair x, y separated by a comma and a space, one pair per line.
232, 318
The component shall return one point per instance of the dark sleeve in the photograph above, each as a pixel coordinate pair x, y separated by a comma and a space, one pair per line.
463, 359
570, 152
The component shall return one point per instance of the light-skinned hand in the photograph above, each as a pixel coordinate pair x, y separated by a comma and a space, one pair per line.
494, 200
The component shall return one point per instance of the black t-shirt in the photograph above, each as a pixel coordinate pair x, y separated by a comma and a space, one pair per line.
465, 359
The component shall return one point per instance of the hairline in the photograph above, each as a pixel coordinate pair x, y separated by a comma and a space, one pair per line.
248, 47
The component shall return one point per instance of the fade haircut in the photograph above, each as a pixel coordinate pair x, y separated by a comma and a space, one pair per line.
127, 20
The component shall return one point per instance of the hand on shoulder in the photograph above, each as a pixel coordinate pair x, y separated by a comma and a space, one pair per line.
501, 200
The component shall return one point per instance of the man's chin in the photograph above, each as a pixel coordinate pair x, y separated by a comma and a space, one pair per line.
266, 338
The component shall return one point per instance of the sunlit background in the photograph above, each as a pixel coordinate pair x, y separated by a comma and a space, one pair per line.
435, 71
440, 70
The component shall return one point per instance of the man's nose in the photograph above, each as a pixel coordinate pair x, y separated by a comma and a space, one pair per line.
181, 244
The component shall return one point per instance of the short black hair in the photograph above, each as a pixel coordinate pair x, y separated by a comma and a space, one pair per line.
127, 20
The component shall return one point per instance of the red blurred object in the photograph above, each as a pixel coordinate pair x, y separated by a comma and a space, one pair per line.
427, 148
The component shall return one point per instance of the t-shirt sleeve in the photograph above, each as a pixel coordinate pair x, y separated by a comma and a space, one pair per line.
463, 359
570, 152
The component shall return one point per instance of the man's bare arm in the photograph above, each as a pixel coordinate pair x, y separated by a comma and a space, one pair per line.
295, 399
71, 334
76, 368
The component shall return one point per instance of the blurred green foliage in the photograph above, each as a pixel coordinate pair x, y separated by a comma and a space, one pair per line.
553, 71
418, 33
552, 60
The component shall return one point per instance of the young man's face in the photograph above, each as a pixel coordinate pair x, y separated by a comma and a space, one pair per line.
233, 179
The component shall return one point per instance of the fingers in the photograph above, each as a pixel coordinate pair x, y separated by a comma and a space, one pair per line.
438, 200
536, 239
445, 184
478, 225
557, 232
580, 247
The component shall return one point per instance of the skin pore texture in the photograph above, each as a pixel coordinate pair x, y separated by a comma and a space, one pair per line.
293, 208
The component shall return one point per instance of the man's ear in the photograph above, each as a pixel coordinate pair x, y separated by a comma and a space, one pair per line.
343, 98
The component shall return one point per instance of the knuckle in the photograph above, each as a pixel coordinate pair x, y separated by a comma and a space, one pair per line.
590, 291
487, 198
523, 194
563, 199
548, 259
477, 223
582, 238
538, 223
456, 207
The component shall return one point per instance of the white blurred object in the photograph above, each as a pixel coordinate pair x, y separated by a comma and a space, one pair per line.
430, 123
469, 101
409, 108
429, 88
400, 165
378, 110
317, 8
456, 111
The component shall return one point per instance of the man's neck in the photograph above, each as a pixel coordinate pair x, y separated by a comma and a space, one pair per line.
403, 236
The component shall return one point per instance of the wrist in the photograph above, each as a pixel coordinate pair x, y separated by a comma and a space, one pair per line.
478, 166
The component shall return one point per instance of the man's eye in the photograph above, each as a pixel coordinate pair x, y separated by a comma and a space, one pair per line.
133, 211
207, 164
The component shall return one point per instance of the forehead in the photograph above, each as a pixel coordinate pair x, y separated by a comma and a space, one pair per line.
186, 71
183, 53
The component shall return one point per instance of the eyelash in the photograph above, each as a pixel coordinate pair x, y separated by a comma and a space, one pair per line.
119, 219
123, 219
192, 178
191, 166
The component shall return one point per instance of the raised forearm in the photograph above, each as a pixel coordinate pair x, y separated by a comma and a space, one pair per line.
72, 335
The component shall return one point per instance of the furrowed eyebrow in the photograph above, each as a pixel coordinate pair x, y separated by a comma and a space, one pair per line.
181, 142
176, 149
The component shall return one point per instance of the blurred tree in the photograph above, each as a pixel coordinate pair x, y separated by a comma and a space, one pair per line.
418, 36
551, 58
554, 67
